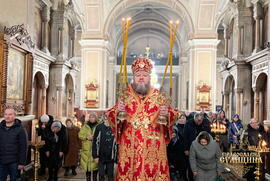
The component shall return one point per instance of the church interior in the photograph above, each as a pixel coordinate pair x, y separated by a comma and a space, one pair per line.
63, 57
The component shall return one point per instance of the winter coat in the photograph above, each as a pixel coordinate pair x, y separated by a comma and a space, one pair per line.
205, 159
13, 143
191, 131
55, 145
87, 162
235, 129
253, 134
104, 144
175, 151
74, 144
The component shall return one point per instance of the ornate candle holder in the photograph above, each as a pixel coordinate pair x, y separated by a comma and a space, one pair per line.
165, 101
123, 96
36, 144
218, 128
261, 148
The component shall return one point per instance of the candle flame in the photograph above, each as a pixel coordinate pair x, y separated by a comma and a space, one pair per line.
264, 143
171, 21
129, 18
177, 22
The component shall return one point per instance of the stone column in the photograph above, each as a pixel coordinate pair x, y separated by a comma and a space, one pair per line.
238, 92
45, 29
72, 39
39, 101
256, 102
44, 100
60, 42
202, 55
226, 102
57, 25
59, 99
226, 38
257, 13
94, 69
261, 106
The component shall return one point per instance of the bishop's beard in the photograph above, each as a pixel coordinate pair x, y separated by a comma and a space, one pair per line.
141, 89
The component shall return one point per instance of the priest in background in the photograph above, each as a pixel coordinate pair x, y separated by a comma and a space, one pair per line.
141, 136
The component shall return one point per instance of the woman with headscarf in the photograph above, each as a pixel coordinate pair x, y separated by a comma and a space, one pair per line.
172, 153
204, 158
86, 134
74, 143
55, 147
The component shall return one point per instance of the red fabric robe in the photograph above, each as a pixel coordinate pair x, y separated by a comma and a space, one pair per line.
142, 141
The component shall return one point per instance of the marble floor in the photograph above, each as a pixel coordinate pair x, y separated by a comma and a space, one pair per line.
229, 176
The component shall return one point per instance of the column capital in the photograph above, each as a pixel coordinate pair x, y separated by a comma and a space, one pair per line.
255, 89
225, 93
59, 88
46, 14
257, 9
238, 90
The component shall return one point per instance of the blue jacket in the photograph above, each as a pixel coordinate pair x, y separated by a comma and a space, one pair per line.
235, 129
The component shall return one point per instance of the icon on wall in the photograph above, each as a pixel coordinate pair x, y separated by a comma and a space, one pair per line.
203, 98
91, 98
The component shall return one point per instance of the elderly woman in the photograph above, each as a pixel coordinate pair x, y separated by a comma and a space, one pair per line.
86, 135
55, 147
204, 158
74, 143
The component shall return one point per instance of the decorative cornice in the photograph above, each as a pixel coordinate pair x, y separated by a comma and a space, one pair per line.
20, 33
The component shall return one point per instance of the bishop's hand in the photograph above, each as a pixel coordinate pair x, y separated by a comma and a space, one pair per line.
122, 115
121, 107
164, 111
163, 115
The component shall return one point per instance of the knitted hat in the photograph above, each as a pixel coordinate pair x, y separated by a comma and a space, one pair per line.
44, 118
235, 116
56, 124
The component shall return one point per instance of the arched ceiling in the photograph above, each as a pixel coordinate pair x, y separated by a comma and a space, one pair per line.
150, 26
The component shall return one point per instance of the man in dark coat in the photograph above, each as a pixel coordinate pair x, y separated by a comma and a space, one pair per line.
13, 146
191, 130
104, 150
253, 129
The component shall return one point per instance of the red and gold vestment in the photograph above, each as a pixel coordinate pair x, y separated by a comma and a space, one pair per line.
142, 141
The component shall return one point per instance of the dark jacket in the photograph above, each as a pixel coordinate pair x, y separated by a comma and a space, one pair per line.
175, 150
50, 142
191, 131
104, 145
253, 134
13, 143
